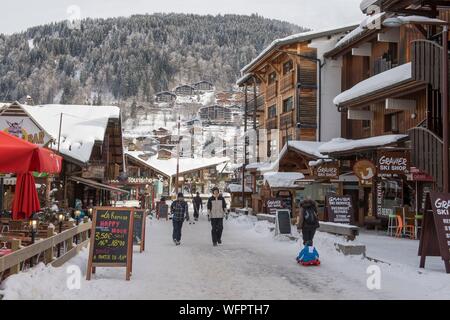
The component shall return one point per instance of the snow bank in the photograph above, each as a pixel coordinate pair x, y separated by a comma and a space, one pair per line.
376, 83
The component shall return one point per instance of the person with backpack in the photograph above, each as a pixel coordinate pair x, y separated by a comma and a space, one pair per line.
217, 208
198, 203
179, 211
308, 220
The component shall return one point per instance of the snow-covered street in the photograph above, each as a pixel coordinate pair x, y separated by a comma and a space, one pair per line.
250, 264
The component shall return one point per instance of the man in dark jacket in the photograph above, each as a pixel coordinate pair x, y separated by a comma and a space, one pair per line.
216, 211
308, 220
179, 210
198, 203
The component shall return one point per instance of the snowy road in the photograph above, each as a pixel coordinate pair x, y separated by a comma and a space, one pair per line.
250, 264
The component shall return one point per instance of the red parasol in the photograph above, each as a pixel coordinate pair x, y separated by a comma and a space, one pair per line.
22, 157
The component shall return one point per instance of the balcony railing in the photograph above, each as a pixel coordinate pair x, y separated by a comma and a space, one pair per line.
287, 82
287, 119
382, 65
259, 103
272, 91
272, 123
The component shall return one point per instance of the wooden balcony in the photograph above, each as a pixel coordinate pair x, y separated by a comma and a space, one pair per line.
271, 91
260, 102
287, 82
426, 153
287, 119
272, 123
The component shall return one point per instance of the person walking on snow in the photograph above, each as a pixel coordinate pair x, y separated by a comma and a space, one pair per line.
308, 220
216, 211
198, 203
179, 211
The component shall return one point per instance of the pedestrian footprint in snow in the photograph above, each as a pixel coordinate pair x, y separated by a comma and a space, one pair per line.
217, 209
180, 212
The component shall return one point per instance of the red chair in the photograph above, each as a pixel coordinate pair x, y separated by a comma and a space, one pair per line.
409, 229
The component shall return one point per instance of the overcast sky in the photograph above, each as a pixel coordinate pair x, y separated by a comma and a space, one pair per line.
19, 15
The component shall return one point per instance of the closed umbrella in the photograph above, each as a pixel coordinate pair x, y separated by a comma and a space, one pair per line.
22, 157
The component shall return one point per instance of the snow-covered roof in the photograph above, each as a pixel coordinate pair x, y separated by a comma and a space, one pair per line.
376, 83
363, 26
166, 92
342, 145
308, 147
365, 4
299, 37
282, 179
169, 167
81, 126
415, 19
234, 188
244, 79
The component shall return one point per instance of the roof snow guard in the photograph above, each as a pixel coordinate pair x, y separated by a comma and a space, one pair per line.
377, 83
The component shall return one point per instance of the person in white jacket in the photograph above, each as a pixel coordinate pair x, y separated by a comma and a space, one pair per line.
217, 209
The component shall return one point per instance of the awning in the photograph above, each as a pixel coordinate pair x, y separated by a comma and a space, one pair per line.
97, 185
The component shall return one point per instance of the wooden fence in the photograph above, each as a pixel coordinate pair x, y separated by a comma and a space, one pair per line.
44, 250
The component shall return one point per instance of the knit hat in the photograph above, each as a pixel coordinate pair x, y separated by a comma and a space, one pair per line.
180, 195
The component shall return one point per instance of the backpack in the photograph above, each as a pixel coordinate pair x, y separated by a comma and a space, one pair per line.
310, 215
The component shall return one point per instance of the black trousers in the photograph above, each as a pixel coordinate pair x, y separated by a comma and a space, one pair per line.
196, 211
308, 234
177, 225
217, 228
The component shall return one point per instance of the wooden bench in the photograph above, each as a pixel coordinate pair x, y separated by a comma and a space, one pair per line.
348, 231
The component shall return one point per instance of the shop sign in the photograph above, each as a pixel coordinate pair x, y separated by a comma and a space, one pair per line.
340, 209
365, 170
435, 238
329, 170
274, 204
93, 172
393, 163
382, 212
24, 128
417, 175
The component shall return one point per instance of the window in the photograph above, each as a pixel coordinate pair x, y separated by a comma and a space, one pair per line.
272, 77
366, 124
288, 67
288, 104
272, 111
391, 122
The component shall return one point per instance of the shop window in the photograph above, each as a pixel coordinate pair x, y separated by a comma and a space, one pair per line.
391, 122
288, 67
390, 196
272, 111
288, 104
272, 77
366, 124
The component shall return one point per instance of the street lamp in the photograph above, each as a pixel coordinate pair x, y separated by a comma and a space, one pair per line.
33, 226
397, 22
77, 216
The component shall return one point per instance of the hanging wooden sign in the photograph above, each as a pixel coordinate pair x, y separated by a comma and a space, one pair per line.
435, 237
391, 163
365, 170
139, 220
327, 170
111, 239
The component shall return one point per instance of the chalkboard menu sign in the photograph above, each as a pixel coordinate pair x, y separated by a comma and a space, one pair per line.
162, 211
283, 222
273, 204
340, 209
139, 228
111, 239
435, 238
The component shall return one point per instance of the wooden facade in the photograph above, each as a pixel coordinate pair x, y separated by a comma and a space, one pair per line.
165, 96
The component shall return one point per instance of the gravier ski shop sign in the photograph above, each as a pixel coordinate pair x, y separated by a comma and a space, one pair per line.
393, 163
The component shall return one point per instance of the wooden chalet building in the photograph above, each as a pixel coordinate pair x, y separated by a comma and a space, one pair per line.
203, 86
165, 96
184, 90
286, 81
391, 107
215, 114
90, 144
